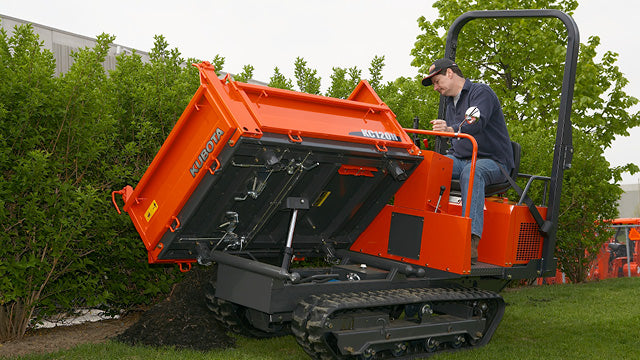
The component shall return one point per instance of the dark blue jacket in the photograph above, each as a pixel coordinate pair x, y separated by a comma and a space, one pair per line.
490, 131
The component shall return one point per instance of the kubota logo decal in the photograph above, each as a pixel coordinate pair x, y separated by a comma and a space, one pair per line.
204, 154
374, 134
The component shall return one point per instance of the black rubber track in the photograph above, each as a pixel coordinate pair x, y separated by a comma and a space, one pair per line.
312, 313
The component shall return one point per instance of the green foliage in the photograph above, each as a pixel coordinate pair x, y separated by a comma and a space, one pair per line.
246, 74
278, 80
145, 113
343, 81
523, 60
167, 79
83, 126
27, 80
408, 99
67, 142
586, 200
218, 63
307, 79
375, 71
31, 190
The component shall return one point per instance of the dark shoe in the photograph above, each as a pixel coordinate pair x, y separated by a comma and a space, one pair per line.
475, 240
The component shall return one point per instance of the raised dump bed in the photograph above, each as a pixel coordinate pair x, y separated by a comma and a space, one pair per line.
222, 177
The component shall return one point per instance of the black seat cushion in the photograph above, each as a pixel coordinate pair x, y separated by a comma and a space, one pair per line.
492, 189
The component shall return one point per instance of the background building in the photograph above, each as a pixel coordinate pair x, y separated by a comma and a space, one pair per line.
629, 204
62, 43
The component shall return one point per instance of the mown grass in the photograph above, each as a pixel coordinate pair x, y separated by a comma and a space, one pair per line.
599, 320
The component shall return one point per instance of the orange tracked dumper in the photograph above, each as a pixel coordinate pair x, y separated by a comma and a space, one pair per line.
251, 177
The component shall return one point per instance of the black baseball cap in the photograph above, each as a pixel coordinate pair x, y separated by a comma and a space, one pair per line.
438, 65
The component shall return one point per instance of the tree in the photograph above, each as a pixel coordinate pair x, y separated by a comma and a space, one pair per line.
67, 142
522, 60
306, 78
246, 74
217, 62
375, 71
27, 74
409, 99
278, 80
145, 113
343, 81
167, 80
49, 206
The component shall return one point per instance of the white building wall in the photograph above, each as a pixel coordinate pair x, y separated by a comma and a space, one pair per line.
63, 43
629, 204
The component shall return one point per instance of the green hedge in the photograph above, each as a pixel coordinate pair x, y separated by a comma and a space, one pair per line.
66, 143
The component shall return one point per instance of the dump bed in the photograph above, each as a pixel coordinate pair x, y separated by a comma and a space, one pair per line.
222, 177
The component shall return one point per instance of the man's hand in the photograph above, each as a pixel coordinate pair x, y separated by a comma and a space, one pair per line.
440, 125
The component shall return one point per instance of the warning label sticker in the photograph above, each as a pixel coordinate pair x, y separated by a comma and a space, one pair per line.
151, 210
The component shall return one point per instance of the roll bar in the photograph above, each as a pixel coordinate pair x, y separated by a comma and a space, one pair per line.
564, 142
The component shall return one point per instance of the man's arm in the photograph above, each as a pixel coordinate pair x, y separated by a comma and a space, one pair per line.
486, 101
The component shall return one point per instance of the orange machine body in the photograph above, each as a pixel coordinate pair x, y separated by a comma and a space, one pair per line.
420, 226
412, 231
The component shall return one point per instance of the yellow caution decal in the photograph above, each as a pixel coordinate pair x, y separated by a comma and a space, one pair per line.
151, 210
320, 200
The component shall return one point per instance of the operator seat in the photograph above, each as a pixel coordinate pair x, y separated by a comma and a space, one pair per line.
617, 249
499, 188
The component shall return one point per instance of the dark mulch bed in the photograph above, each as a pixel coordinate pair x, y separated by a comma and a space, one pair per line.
181, 321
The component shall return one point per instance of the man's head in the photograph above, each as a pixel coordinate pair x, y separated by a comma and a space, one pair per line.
445, 76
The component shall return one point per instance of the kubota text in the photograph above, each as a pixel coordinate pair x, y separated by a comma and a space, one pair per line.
204, 154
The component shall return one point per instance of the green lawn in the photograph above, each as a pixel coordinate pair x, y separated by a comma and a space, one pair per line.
599, 320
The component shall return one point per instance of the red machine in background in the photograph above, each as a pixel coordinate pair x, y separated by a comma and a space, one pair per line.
619, 256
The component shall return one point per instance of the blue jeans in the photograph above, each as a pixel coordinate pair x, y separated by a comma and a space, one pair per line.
487, 172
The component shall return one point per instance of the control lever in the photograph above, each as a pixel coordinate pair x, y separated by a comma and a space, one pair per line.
442, 188
230, 226
470, 116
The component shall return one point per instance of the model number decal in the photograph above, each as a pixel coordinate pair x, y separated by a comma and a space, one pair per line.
204, 154
374, 134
